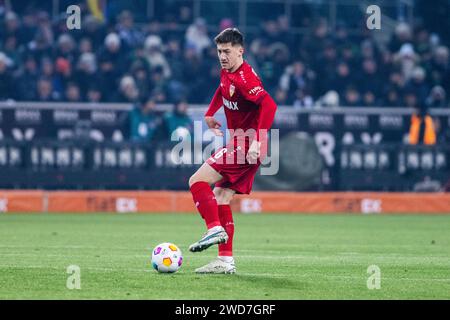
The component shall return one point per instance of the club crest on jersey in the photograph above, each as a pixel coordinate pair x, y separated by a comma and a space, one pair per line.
232, 88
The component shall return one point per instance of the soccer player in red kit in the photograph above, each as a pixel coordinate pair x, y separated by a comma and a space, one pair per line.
248, 109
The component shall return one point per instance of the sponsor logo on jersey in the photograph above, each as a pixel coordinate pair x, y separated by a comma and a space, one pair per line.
256, 90
232, 105
232, 88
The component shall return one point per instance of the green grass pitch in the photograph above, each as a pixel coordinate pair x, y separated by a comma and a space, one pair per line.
278, 256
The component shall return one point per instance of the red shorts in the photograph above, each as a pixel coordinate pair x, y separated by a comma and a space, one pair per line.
231, 163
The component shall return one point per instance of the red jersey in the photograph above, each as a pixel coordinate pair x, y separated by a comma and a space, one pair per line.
240, 92
247, 106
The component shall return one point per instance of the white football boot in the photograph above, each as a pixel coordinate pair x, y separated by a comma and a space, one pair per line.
215, 235
218, 266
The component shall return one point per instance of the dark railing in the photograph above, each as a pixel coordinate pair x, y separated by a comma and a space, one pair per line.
358, 149
393, 167
92, 165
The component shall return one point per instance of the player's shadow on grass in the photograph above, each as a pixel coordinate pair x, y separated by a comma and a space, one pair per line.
269, 281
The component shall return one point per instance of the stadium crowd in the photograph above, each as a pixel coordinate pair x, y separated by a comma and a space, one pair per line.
123, 61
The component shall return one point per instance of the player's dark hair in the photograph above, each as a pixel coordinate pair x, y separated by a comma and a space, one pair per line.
230, 35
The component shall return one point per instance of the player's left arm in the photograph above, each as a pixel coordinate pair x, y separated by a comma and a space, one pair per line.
268, 108
258, 147
253, 91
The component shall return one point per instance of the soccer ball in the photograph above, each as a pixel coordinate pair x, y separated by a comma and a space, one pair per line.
166, 258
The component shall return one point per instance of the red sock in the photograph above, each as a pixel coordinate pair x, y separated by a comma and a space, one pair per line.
226, 219
206, 203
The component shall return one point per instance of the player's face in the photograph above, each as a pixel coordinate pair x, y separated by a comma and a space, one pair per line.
229, 55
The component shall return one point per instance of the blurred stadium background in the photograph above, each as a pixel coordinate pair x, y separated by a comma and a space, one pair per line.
93, 109
364, 125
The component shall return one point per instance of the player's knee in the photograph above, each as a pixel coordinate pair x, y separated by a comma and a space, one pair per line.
217, 194
192, 180
222, 197
196, 178
223, 201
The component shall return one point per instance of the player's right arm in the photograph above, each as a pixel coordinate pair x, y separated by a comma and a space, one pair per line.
216, 104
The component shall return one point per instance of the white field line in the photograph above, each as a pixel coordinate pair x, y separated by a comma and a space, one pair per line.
63, 269
64, 247
256, 250
238, 250
38, 254
338, 258
240, 274
346, 253
335, 258
363, 278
